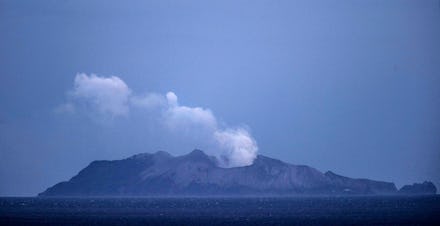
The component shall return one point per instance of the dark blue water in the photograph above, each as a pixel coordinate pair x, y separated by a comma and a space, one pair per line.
421, 210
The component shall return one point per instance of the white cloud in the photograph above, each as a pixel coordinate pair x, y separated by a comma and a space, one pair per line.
182, 116
107, 95
172, 99
177, 116
238, 147
232, 147
111, 96
149, 101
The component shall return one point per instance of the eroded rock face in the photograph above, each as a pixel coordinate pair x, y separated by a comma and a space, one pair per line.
426, 187
360, 186
161, 174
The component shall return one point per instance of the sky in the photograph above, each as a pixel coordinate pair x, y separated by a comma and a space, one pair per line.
346, 86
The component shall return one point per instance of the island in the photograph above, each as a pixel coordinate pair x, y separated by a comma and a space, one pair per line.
198, 174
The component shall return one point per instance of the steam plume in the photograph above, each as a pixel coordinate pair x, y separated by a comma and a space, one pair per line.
111, 96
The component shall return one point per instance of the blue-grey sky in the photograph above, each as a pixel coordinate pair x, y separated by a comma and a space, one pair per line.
347, 86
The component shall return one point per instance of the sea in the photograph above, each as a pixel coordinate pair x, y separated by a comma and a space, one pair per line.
346, 210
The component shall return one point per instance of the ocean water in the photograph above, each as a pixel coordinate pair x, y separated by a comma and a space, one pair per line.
417, 210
